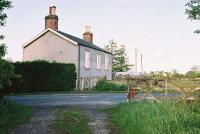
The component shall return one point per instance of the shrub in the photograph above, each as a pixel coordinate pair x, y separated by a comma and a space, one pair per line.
6, 76
104, 85
42, 76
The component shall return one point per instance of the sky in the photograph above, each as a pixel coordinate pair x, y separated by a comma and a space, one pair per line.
159, 29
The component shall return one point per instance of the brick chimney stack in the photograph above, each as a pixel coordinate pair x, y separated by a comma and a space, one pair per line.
51, 20
88, 36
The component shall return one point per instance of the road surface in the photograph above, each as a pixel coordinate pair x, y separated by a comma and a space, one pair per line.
69, 99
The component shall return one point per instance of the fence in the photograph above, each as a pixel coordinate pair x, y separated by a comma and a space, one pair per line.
87, 83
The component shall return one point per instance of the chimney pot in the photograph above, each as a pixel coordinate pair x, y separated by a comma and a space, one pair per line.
50, 10
53, 10
88, 29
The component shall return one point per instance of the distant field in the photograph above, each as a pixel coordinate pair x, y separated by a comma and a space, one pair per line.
173, 86
155, 118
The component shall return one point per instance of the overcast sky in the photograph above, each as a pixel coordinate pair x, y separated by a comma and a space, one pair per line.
158, 28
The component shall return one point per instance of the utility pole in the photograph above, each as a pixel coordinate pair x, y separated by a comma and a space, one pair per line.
142, 64
136, 60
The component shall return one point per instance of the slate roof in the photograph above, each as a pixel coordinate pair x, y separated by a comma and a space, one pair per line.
82, 42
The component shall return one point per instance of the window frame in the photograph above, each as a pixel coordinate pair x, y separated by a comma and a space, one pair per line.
98, 63
87, 59
106, 66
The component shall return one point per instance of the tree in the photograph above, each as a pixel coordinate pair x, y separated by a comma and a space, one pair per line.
4, 4
193, 11
6, 68
120, 58
194, 72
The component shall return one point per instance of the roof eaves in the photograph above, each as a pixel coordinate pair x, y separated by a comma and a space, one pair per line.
45, 31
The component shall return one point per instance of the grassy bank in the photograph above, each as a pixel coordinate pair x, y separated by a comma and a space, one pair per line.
155, 118
71, 122
105, 86
12, 114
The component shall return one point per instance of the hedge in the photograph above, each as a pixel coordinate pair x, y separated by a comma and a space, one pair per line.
43, 76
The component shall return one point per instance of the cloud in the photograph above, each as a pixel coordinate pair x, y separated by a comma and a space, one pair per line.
159, 54
125, 2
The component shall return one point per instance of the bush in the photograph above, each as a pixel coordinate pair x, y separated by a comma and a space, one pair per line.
104, 85
42, 76
6, 76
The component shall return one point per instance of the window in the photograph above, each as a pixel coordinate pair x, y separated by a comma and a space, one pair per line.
87, 59
106, 62
98, 61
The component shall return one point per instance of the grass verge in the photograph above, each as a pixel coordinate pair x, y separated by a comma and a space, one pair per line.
155, 118
12, 114
71, 122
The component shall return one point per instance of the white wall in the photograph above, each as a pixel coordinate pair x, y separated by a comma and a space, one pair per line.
51, 47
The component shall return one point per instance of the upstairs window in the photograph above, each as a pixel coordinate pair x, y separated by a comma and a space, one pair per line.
87, 59
98, 61
106, 62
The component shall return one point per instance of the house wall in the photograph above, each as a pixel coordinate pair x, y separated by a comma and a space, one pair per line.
51, 47
92, 74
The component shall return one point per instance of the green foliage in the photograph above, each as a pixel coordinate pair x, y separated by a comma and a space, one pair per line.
4, 4
192, 74
119, 57
156, 118
2, 50
193, 11
72, 122
42, 76
12, 115
6, 75
104, 85
6, 68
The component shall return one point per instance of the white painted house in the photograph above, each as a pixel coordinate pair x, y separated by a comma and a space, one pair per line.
92, 62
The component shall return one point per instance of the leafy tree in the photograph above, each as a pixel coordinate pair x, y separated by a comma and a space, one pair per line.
193, 11
192, 74
120, 58
6, 68
4, 4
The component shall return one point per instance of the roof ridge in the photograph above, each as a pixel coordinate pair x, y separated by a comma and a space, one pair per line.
83, 42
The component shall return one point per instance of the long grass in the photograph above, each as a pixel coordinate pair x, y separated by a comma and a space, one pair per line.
104, 85
12, 115
155, 118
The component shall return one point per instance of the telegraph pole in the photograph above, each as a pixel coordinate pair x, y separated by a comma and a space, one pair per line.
142, 64
136, 60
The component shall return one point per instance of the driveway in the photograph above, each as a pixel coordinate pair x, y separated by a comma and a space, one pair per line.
46, 106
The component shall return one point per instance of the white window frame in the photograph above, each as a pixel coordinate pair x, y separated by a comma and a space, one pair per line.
106, 62
87, 59
98, 61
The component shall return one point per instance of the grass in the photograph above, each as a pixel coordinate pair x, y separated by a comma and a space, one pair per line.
71, 122
104, 85
155, 118
12, 114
